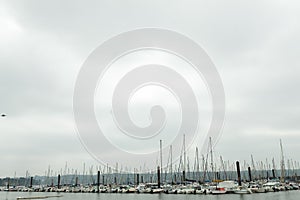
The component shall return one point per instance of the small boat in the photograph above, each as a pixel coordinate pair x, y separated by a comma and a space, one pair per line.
273, 186
157, 190
168, 189
229, 186
199, 191
242, 190
188, 189
219, 190
294, 186
257, 189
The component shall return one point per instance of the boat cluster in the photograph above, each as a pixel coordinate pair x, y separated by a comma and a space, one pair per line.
224, 187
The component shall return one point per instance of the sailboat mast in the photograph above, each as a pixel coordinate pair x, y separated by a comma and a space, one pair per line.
223, 166
253, 166
282, 164
171, 169
184, 153
161, 161
204, 166
197, 165
211, 157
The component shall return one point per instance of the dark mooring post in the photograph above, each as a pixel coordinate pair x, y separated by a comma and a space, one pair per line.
273, 173
175, 181
102, 179
249, 173
76, 181
98, 181
158, 177
238, 173
7, 186
31, 181
137, 179
58, 181
142, 179
183, 177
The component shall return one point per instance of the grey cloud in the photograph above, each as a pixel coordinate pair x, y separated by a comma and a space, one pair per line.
255, 46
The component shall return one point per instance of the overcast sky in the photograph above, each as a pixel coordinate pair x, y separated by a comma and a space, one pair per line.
255, 46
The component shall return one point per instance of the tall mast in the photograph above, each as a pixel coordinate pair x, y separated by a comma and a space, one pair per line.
83, 173
204, 167
188, 166
161, 161
184, 153
197, 165
253, 166
282, 164
294, 168
48, 175
223, 166
171, 168
273, 162
211, 157
288, 167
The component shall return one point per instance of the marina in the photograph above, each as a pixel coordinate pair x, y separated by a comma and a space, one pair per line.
188, 188
223, 179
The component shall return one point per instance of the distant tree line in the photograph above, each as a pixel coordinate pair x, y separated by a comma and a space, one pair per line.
22, 181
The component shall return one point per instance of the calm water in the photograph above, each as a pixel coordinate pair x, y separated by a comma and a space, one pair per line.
290, 195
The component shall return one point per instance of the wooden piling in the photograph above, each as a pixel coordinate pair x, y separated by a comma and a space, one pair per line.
175, 180
76, 181
31, 181
249, 173
158, 176
273, 173
137, 179
238, 172
58, 181
7, 186
98, 181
